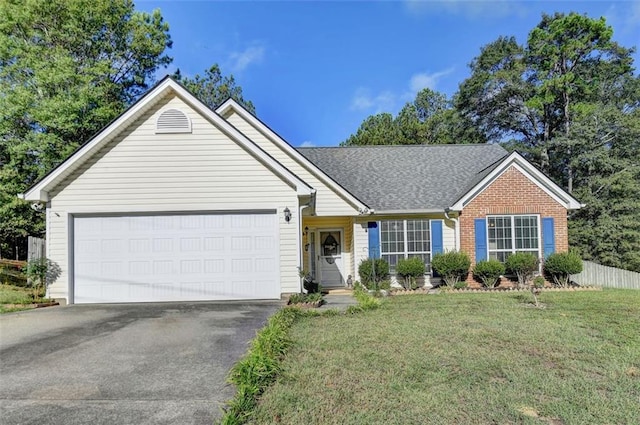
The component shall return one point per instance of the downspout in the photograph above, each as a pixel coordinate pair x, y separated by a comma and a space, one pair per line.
299, 239
456, 227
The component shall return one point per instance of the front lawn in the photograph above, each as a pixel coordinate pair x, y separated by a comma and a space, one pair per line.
10, 295
465, 358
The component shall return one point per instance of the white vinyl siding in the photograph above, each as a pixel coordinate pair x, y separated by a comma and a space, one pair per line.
328, 202
141, 171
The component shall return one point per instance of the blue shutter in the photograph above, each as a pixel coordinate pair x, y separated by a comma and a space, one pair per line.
481, 239
437, 246
548, 236
374, 239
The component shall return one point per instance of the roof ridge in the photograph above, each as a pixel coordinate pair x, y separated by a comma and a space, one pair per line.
400, 146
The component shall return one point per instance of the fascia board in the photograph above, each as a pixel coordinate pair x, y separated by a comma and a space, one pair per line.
528, 170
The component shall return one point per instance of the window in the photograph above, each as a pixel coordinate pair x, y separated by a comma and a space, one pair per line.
512, 233
405, 239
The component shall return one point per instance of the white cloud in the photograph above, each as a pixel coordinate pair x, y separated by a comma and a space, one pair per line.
363, 100
241, 60
423, 80
388, 101
307, 144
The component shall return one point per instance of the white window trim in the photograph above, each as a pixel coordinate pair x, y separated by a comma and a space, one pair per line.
513, 234
405, 254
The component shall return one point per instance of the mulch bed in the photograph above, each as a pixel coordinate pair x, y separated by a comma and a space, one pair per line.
489, 290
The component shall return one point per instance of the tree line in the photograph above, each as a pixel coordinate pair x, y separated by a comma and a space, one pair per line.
569, 100
67, 69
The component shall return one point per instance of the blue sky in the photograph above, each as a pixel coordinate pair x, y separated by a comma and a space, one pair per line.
316, 69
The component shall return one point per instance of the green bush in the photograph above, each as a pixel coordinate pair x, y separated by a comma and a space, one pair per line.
385, 284
523, 265
561, 265
452, 266
488, 272
460, 285
410, 269
372, 272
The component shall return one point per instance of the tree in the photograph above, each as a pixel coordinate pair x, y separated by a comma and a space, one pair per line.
67, 68
377, 129
429, 119
213, 88
568, 100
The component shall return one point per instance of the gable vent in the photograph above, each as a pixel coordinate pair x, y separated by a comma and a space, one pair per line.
173, 121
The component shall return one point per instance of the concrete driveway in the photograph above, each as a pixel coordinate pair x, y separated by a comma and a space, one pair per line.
123, 364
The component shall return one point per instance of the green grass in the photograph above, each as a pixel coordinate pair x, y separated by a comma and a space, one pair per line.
465, 358
10, 294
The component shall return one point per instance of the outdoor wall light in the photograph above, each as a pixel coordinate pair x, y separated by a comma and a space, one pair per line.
287, 214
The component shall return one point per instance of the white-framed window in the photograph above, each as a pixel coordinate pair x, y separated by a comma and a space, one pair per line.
405, 239
508, 234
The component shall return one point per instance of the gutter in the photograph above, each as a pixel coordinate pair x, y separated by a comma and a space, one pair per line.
425, 211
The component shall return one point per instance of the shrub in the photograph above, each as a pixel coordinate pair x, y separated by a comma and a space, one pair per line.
385, 284
311, 297
561, 266
410, 269
523, 265
452, 266
488, 272
37, 271
373, 271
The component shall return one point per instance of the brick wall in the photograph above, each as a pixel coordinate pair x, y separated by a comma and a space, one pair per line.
511, 193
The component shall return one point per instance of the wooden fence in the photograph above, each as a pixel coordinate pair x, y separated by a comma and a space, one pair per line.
36, 248
609, 277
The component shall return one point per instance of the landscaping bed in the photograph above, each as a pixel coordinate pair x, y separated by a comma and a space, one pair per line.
310, 300
490, 290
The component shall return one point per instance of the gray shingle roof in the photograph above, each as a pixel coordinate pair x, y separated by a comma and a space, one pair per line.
407, 178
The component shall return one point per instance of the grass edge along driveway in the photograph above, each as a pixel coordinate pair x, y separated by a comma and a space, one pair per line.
465, 358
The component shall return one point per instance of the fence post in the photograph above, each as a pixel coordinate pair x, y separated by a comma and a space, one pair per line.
36, 248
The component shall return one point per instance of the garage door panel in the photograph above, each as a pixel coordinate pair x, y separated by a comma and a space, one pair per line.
176, 258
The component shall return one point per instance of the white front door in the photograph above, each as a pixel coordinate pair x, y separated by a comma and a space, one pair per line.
330, 258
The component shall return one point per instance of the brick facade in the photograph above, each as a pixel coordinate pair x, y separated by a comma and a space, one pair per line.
511, 193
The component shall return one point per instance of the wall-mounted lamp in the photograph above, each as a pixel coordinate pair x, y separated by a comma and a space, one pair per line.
287, 214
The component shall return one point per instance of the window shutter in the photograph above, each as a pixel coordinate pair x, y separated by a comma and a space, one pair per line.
437, 246
548, 236
374, 239
481, 239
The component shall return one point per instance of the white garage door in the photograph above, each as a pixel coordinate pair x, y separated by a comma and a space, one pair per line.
176, 258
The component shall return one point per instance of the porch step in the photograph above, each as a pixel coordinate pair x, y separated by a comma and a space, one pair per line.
340, 291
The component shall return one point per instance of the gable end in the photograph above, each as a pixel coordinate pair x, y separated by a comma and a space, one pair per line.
173, 121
